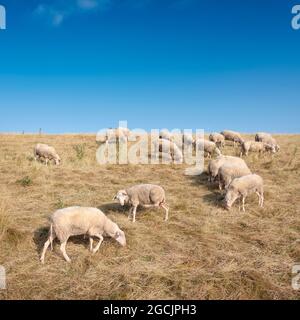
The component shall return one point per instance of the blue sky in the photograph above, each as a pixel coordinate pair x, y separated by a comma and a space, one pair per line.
83, 65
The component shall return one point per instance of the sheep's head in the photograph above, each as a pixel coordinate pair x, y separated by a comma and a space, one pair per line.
57, 160
270, 148
120, 237
231, 196
122, 197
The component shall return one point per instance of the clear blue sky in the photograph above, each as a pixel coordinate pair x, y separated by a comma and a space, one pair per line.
83, 65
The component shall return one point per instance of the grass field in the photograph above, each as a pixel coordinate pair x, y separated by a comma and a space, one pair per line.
203, 252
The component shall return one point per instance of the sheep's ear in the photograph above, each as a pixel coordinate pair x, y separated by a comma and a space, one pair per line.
115, 197
117, 235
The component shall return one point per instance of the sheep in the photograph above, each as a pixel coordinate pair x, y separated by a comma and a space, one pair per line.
242, 187
218, 139
167, 148
76, 221
47, 152
145, 195
215, 164
267, 138
208, 147
255, 146
228, 172
233, 136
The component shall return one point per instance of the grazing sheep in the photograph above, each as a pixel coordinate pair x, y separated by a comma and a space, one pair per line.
76, 221
209, 147
233, 136
218, 139
228, 172
145, 195
169, 148
255, 146
46, 152
215, 164
267, 138
177, 137
242, 187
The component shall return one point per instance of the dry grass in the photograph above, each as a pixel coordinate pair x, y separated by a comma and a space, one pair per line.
203, 252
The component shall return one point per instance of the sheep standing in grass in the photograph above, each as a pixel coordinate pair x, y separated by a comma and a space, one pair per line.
242, 187
267, 138
215, 164
233, 136
218, 139
46, 152
145, 195
228, 172
76, 221
210, 148
255, 146
169, 148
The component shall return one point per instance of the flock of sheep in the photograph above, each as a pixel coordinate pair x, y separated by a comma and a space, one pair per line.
232, 174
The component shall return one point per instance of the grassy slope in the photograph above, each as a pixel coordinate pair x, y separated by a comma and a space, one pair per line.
203, 252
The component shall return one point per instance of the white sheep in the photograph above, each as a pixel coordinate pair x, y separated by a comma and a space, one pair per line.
255, 146
46, 152
215, 164
242, 187
228, 172
232, 136
218, 139
145, 195
267, 138
168, 148
76, 221
208, 147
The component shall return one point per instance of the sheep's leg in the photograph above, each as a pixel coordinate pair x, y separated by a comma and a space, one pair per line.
134, 213
130, 212
99, 243
166, 208
243, 202
47, 161
63, 250
91, 244
46, 246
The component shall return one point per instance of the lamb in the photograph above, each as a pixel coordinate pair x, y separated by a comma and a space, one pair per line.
242, 187
228, 172
255, 146
169, 148
267, 138
209, 147
218, 139
233, 136
46, 152
76, 221
215, 164
145, 195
